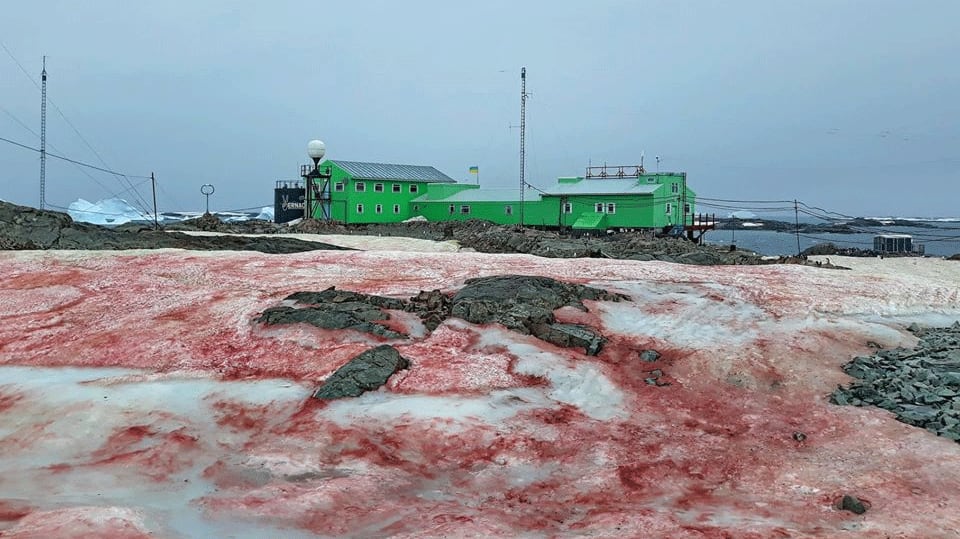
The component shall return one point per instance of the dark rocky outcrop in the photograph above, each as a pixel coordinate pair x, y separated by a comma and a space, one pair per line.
23, 228
336, 309
363, 373
521, 303
921, 385
525, 304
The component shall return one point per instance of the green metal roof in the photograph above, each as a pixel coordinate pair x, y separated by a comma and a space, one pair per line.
603, 187
591, 221
480, 195
384, 171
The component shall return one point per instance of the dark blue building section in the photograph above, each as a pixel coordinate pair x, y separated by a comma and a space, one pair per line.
288, 201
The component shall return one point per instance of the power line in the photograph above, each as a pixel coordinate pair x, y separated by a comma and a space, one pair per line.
74, 128
74, 161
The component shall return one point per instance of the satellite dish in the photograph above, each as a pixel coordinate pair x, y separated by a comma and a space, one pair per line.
316, 149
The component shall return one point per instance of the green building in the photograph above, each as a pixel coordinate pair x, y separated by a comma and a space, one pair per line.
374, 192
606, 198
583, 203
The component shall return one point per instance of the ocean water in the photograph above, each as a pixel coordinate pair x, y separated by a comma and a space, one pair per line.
941, 241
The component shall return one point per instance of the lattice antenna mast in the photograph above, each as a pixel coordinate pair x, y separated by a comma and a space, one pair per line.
43, 134
523, 139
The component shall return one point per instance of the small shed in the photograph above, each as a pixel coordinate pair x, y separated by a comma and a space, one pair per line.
893, 243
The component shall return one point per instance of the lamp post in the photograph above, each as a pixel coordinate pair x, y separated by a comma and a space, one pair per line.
207, 190
316, 149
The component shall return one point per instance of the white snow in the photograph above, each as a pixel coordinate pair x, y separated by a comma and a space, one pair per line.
110, 211
363, 243
743, 214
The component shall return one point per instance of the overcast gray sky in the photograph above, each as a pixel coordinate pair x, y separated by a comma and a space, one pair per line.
849, 105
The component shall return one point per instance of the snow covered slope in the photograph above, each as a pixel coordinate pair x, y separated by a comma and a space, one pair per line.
137, 399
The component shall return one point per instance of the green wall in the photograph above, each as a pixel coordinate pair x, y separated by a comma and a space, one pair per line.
394, 206
402, 199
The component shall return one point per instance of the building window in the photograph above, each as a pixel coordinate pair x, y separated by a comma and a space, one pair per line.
378, 188
359, 208
686, 208
452, 209
396, 208
651, 179
611, 208
416, 207
361, 187
414, 188
669, 208
675, 188
378, 208
338, 187
508, 210
567, 207
396, 188
465, 209
598, 207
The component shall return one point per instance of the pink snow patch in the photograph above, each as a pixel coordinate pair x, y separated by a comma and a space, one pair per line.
137, 397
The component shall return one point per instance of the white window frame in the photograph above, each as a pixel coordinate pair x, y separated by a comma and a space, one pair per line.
378, 209
599, 207
669, 208
414, 188
453, 209
361, 187
611, 207
378, 188
396, 209
567, 207
396, 188
359, 208
338, 187
508, 209
464, 209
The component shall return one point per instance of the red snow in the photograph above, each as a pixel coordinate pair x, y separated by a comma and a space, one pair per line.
484, 450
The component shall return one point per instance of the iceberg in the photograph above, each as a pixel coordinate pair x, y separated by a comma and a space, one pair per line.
111, 211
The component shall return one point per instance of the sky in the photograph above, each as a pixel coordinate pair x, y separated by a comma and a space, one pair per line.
848, 105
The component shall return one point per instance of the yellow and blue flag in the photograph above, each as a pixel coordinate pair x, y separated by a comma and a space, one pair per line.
474, 170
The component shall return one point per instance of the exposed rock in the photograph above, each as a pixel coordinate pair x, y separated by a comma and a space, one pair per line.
649, 355
432, 307
336, 309
853, 504
29, 228
365, 372
921, 385
525, 304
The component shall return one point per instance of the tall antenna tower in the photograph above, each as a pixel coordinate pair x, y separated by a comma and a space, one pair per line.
523, 138
43, 134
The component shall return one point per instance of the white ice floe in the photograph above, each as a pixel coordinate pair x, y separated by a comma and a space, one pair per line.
111, 211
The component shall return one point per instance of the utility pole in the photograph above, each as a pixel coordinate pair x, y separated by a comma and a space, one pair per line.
153, 184
523, 137
796, 224
43, 134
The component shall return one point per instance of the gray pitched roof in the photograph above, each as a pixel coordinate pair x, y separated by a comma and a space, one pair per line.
383, 171
480, 195
603, 187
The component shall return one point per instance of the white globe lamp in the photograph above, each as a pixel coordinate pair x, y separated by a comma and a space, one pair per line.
316, 149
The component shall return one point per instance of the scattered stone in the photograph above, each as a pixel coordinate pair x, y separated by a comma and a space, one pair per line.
920, 385
649, 356
799, 436
853, 504
365, 372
